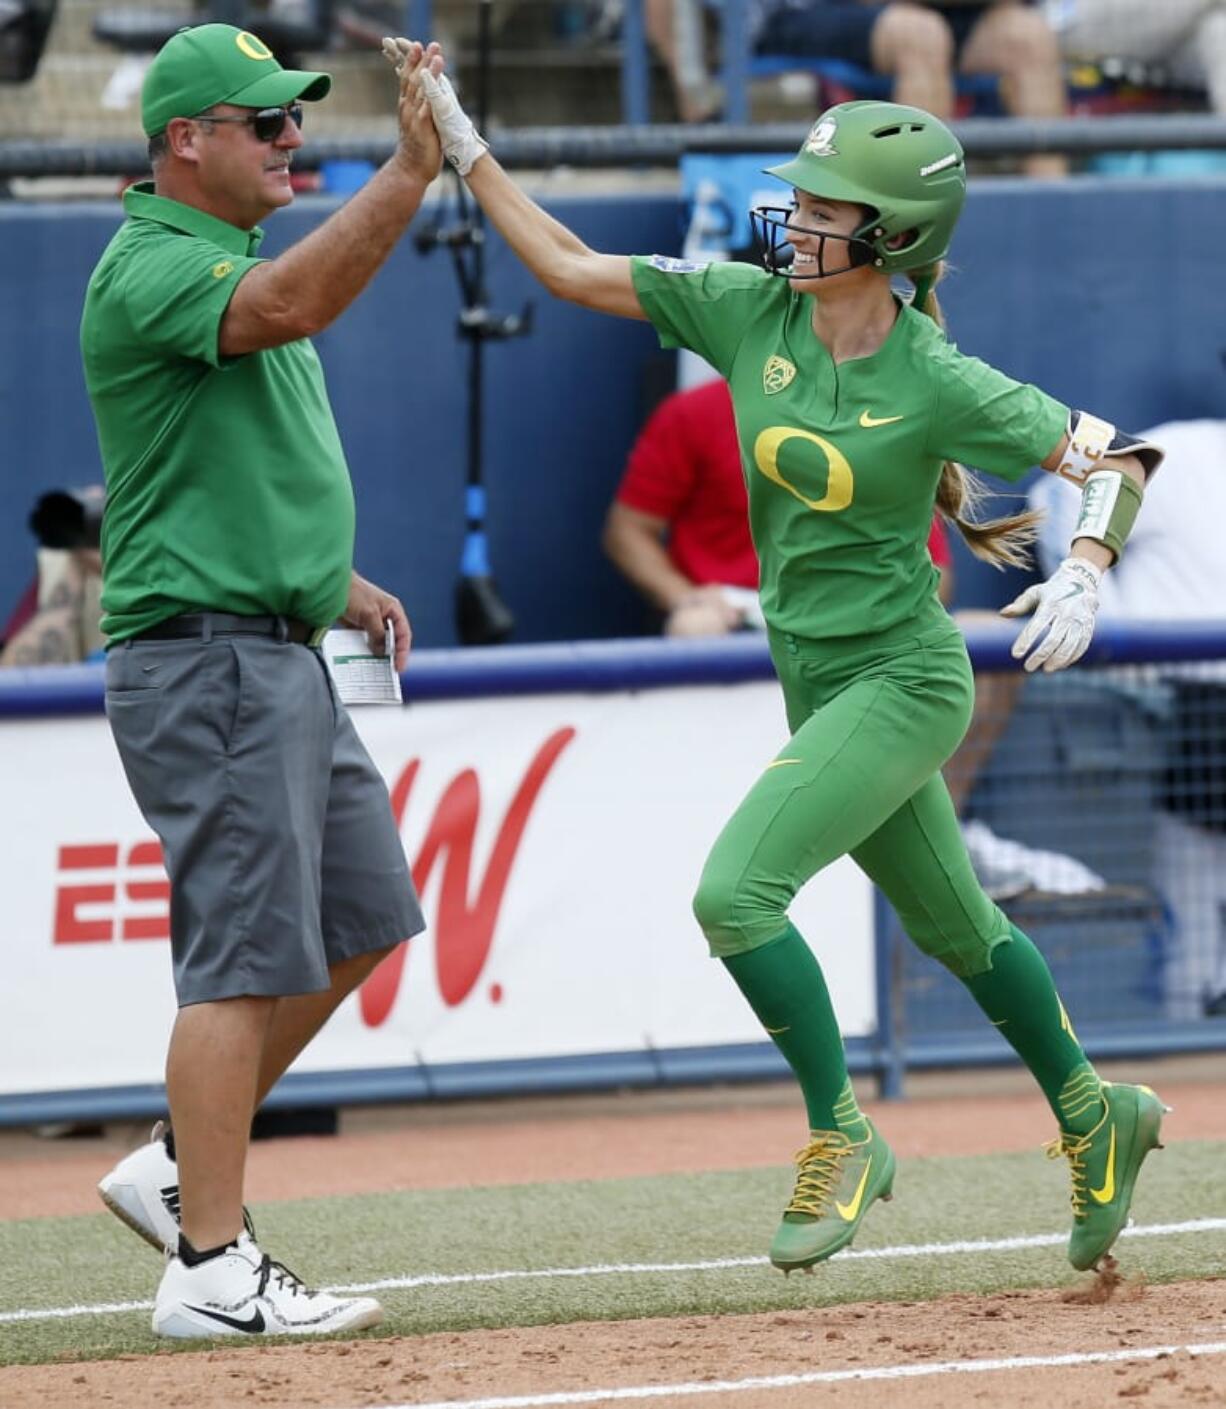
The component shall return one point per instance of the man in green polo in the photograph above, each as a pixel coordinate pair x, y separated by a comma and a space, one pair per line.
228, 548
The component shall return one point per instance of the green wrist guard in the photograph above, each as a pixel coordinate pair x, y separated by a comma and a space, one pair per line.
1109, 505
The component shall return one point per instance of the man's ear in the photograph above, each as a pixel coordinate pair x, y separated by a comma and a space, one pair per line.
182, 136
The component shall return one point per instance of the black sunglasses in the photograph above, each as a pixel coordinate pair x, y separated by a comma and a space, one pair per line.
267, 124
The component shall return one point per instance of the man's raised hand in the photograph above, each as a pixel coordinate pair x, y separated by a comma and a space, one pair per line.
418, 148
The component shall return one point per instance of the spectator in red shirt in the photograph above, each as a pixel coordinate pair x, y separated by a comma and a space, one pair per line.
679, 526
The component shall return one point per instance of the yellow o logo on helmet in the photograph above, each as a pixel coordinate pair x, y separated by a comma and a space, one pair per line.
251, 46
838, 472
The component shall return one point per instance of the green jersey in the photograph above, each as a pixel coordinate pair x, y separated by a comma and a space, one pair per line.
227, 489
842, 462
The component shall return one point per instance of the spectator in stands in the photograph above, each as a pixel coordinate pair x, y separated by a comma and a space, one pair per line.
921, 43
677, 31
1187, 37
57, 620
679, 526
1174, 570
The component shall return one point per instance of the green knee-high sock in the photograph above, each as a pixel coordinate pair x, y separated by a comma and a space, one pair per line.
784, 986
1018, 994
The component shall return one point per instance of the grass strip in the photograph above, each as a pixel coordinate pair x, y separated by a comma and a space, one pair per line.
671, 1218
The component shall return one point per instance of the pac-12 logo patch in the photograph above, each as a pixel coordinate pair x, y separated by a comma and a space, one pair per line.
667, 265
820, 142
222, 268
777, 374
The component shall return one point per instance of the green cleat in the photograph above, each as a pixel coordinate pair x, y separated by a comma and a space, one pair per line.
1104, 1164
836, 1183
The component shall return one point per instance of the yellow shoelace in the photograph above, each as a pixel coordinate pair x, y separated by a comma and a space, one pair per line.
819, 1168
1072, 1147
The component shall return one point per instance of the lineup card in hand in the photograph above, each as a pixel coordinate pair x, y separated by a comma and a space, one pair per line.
360, 676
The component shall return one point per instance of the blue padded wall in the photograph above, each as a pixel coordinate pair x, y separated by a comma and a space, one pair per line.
1110, 294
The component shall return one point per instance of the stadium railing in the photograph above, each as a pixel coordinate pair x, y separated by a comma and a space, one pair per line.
663, 144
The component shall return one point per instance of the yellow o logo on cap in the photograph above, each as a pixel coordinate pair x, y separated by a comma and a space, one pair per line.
251, 46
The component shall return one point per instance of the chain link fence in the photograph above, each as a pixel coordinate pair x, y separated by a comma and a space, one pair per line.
1098, 823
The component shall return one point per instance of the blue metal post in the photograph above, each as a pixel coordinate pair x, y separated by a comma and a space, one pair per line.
636, 95
735, 36
891, 1069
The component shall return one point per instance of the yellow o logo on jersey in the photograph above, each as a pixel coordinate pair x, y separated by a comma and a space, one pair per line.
838, 472
251, 46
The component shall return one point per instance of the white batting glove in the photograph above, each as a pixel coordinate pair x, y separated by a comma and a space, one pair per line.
461, 142
1064, 608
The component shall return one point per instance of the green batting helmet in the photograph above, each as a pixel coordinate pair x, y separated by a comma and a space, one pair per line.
902, 162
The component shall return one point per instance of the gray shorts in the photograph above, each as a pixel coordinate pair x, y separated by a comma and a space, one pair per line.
283, 854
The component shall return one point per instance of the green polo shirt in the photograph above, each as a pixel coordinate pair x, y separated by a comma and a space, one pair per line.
842, 461
227, 488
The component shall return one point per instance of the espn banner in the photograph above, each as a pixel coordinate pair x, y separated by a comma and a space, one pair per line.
556, 841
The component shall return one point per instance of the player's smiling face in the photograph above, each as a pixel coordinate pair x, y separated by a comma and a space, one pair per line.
814, 217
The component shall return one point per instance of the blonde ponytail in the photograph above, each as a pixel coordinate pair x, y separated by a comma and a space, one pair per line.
1003, 542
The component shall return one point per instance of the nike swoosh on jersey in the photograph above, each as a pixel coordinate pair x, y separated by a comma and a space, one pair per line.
868, 421
847, 1212
781, 762
1107, 1192
253, 1325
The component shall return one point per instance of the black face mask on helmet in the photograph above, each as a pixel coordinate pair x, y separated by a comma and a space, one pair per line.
773, 227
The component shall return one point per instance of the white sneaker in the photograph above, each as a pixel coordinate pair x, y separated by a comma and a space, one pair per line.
1007, 868
143, 1190
243, 1292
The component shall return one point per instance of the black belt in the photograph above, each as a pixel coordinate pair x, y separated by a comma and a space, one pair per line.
205, 625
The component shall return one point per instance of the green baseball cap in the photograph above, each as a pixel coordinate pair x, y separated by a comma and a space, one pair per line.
216, 63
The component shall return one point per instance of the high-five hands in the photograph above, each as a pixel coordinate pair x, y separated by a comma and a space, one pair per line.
461, 142
1064, 607
418, 149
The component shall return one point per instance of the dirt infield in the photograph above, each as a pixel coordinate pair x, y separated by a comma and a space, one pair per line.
548, 1360
519, 1142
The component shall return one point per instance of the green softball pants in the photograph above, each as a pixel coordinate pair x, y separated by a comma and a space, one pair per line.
872, 720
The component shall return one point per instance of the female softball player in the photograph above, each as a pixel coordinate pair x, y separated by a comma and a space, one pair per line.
853, 410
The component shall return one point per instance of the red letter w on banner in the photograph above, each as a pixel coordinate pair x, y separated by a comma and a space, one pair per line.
463, 933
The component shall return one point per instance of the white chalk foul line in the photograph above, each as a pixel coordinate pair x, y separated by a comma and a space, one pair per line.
819, 1377
607, 1269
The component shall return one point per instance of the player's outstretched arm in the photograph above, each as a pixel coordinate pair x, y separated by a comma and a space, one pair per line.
556, 255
